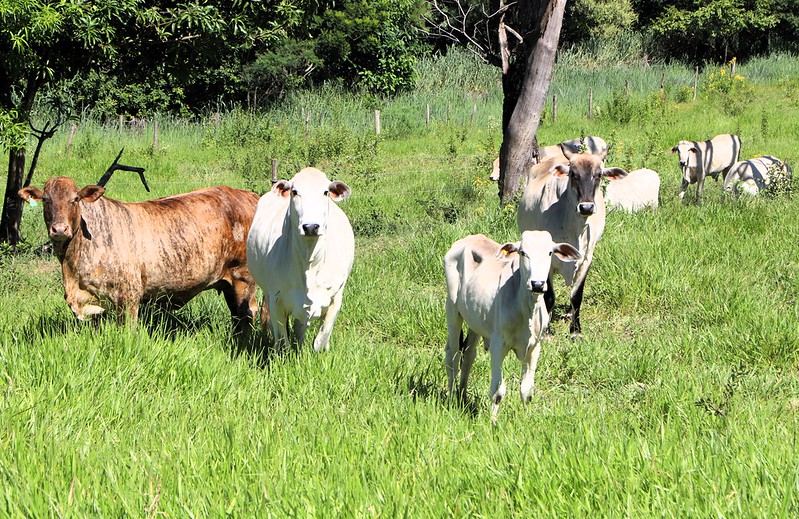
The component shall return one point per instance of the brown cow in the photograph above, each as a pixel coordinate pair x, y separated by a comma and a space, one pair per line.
116, 255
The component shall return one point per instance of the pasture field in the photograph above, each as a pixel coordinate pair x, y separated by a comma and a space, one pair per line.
681, 398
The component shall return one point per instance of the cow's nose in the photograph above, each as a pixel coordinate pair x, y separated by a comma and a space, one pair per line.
310, 229
585, 208
59, 230
538, 287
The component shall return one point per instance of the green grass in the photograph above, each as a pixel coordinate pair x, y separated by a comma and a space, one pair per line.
681, 399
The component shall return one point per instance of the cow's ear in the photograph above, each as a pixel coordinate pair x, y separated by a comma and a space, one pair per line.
560, 170
282, 188
614, 173
508, 249
674, 150
338, 190
694, 149
91, 193
566, 252
30, 192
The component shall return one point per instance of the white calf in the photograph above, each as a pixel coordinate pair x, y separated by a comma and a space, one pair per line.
708, 158
498, 291
638, 190
300, 251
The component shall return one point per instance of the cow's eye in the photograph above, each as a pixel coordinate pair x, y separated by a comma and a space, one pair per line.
550, 253
76, 200
46, 199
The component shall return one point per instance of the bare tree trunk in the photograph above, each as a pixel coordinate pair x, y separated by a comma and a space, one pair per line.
12, 205
525, 87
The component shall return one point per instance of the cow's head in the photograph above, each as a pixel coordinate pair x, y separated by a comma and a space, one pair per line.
687, 154
585, 172
311, 192
62, 211
535, 252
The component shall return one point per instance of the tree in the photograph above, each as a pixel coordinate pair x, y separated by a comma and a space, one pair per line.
713, 30
44, 42
521, 38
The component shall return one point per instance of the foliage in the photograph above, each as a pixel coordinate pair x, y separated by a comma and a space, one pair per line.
13, 133
598, 20
374, 43
732, 92
287, 66
712, 30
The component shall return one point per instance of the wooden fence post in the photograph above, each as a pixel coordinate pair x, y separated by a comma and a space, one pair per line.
72, 131
155, 135
554, 108
427, 116
662, 80
626, 88
377, 122
696, 81
121, 122
590, 103
474, 112
307, 124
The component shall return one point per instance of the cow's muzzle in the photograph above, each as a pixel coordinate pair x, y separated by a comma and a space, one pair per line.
538, 287
586, 208
60, 232
310, 229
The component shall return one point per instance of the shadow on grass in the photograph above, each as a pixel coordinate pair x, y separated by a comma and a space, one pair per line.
425, 384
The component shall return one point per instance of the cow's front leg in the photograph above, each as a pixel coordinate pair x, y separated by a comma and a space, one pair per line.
498, 388
322, 341
529, 364
278, 319
298, 329
700, 186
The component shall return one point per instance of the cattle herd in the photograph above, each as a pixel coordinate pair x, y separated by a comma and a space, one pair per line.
298, 246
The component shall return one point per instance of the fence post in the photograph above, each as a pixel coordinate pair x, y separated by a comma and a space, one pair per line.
554, 108
474, 112
72, 131
274, 171
590, 103
307, 124
121, 122
377, 122
626, 88
662, 80
696, 81
427, 116
155, 135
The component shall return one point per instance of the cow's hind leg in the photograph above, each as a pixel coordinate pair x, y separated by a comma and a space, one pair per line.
452, 359
468, 352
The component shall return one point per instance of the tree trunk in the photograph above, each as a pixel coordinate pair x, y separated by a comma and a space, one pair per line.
525, 87
12, 205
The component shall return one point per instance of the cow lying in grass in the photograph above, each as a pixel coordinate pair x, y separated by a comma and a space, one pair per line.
498, 291
753, 175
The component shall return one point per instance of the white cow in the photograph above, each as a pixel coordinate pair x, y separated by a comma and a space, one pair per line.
300, 251
753, 175
565, 199
709, 158
498, 292
590, 144
638, 190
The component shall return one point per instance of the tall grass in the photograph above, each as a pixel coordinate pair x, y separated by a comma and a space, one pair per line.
680, 399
